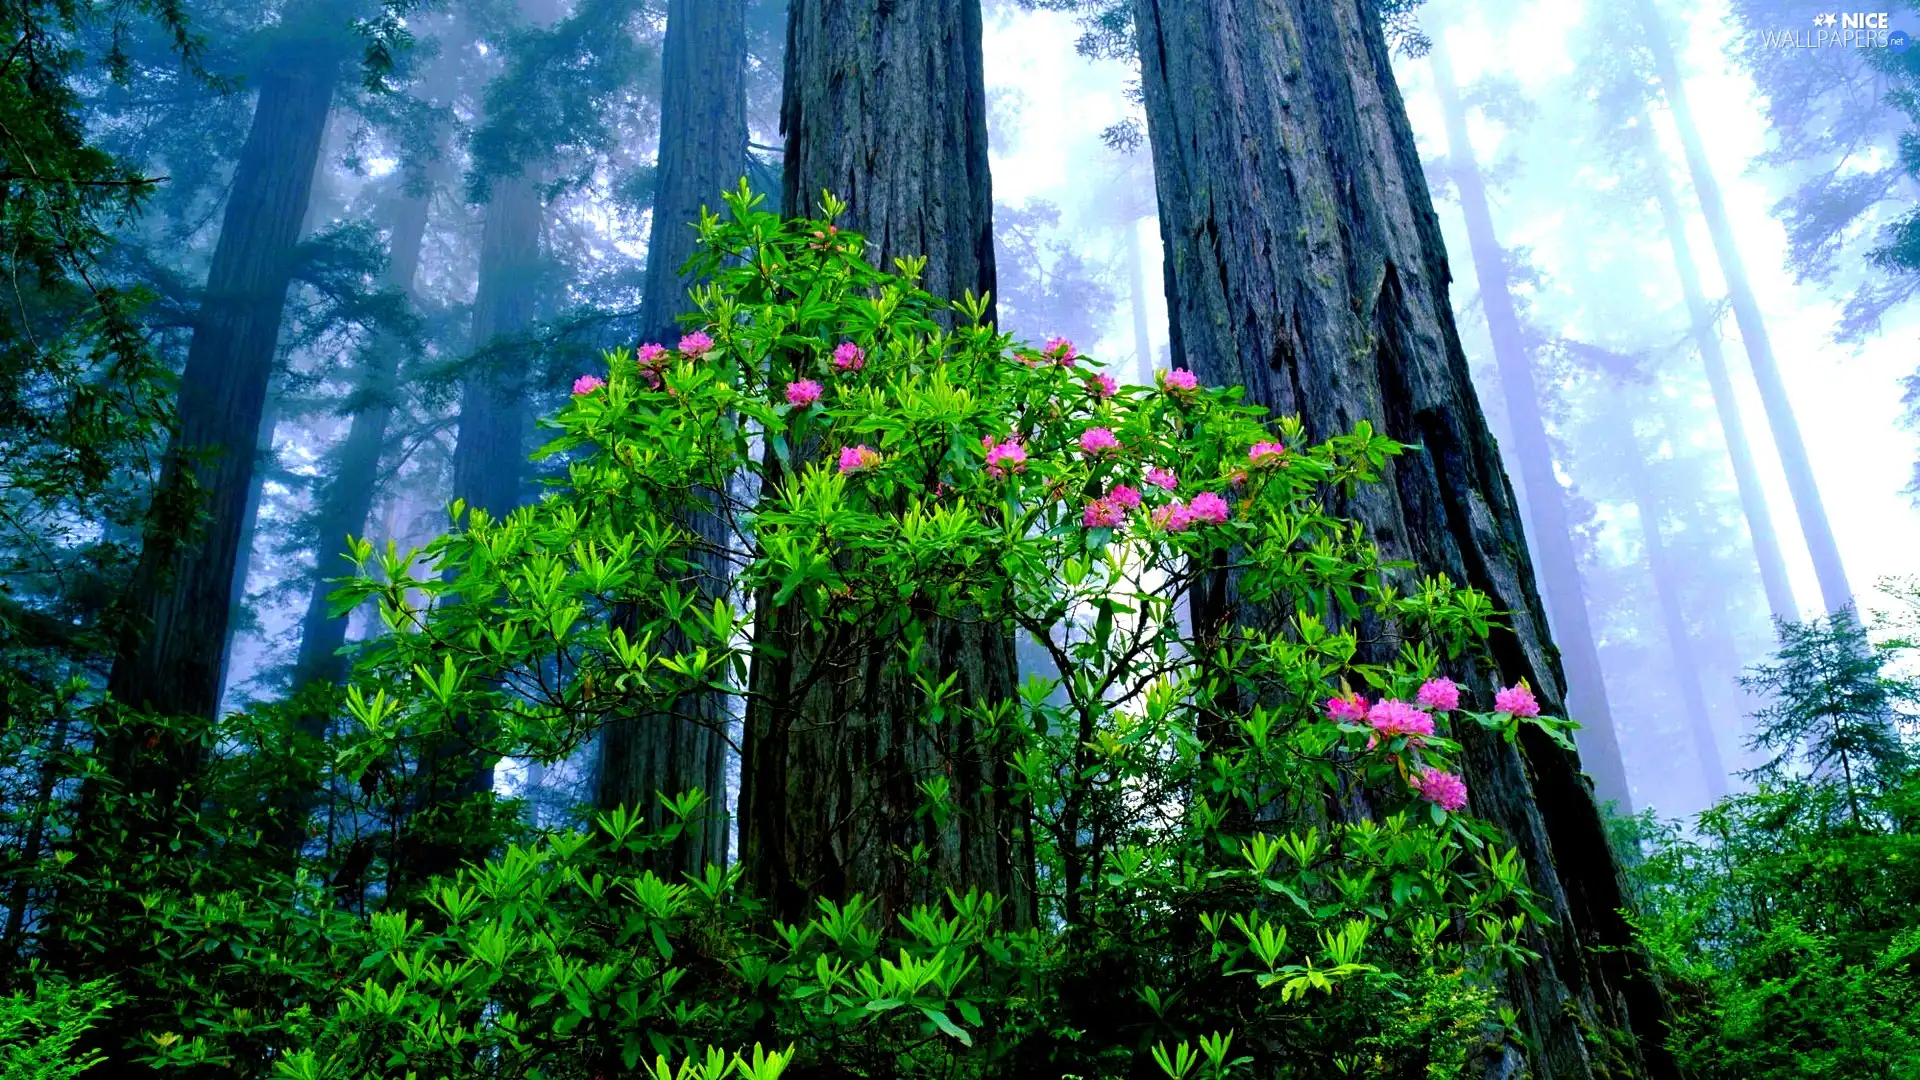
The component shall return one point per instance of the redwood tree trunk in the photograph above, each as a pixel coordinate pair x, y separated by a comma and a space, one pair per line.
490, 453
885, 106
183, 593
1551, 538
703, 151
1827, 566
1304, 261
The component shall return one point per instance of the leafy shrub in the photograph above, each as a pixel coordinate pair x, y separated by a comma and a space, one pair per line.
1246, 847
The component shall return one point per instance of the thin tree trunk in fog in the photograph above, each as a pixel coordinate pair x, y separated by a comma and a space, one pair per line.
1304, 262
346, 503
1706, 336
183, 593
1672, 600
263, 460
1551, 538
489, 454
348, 498
1827, 566
1137, 285
884, 106
703, 151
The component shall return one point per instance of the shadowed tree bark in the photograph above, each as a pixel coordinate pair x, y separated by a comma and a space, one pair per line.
1304, 262
1551, 538
181, 599
1835, 592
884, 106
703, 151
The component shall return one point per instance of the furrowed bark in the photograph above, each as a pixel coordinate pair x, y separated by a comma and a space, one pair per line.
1551, 538
703, 151
885, 107
1304, 262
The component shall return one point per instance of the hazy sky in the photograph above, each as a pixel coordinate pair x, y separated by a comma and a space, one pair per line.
1848, 399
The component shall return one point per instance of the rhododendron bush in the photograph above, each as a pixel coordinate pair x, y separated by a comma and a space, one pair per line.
1252, 852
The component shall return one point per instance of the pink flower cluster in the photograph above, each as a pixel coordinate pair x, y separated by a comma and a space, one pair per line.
1517, 701
1097, 441
652, 359
1393, 719
1060, 351
849, 357
853, 459
587, 384
1441, 695
1266, 453
1180, 382
804, 393
1125, 497
695, 345
1441, 788
1005, 456
1103, 514
1348, 708
1206, 508
1162, 478
1104, 387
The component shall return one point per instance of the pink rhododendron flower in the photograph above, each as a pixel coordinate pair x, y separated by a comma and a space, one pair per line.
1125, 497
1104, 387
855, 458
651, 358
1266, 453
1174, 517
1393, 719
1180, 382
803, 393
1348, 709
1517, 700
849, 357
1162, 478
1209, 507
1099, 440
1004, 456
1103, 514
1440, 694
1441, 788
587, 384
1060, 351
695, 345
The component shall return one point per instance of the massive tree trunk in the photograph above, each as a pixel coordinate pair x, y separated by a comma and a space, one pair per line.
1827, 566
1672, 600
1551, 537
1305, 262
182, 593
181, 597
885, 106
703, 151
1706, 337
